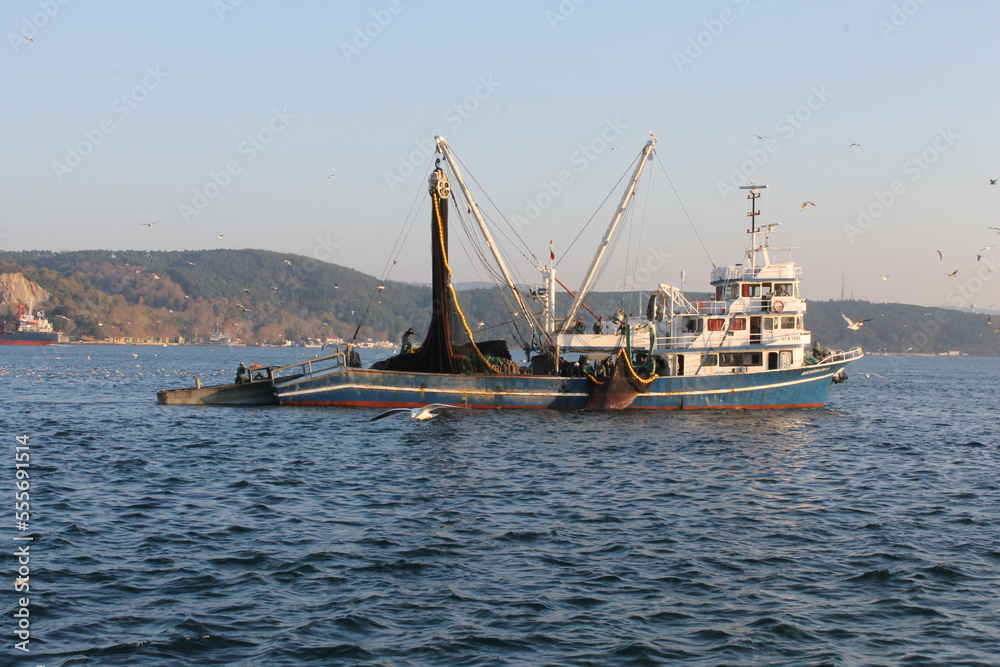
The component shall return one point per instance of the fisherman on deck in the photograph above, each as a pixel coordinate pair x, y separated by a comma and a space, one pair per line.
598, 326
578, 328
241, 374
407, 344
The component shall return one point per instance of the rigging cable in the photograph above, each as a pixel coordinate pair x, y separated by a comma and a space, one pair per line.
610, 192
690, 221
397, 248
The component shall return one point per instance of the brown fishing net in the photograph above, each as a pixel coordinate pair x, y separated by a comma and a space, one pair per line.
615, 384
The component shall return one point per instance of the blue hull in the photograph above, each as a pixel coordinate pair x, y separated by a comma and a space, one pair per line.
355, 387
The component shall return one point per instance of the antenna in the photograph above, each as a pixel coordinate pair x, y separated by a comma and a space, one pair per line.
753, 188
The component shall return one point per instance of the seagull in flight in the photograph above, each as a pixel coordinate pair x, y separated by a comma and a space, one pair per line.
852, 325
804, 204
885, 276
858, 145
285, 261
754, 134
150, 224
423, 413
31, 40
993, 181
940, 256
952, 274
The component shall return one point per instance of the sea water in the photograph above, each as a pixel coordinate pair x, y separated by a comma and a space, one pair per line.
862, 533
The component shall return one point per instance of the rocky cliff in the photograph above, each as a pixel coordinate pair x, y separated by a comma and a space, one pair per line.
15, 289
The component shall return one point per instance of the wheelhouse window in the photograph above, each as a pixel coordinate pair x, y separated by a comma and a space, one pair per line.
694, 325
739, 324
716, 324
740, 359
710, 360
784, 289
788, 322
750, 289
767, 323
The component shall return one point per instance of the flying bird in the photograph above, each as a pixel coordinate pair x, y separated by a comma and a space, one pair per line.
754, 134
155, 277
191, 263
423, 413
858, 145
952, 274
28, 38
985, 248
330, 176
336, 286
885, 277
150, 224
285, 261
852, 325
940, 256
993, 181
804, 204
221, 235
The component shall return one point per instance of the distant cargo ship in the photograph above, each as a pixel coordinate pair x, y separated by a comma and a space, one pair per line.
32, 329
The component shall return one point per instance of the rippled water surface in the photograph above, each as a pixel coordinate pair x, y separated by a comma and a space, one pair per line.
864, 533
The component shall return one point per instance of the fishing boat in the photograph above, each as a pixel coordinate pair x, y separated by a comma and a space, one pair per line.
32, 329
253, 389
743, 347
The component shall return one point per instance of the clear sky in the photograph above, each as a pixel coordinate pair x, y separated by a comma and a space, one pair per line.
227, 117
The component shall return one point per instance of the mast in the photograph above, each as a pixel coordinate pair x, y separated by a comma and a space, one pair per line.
612, 228
753, 196
445, 150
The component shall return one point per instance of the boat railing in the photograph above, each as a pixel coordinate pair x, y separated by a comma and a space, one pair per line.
311, 367
779, 271
841, 355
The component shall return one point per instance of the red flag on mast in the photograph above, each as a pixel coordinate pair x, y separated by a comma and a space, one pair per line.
552, 253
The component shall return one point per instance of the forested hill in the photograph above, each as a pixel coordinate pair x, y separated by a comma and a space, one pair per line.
264, 297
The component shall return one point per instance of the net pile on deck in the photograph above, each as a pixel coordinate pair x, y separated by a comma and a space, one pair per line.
441, 351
